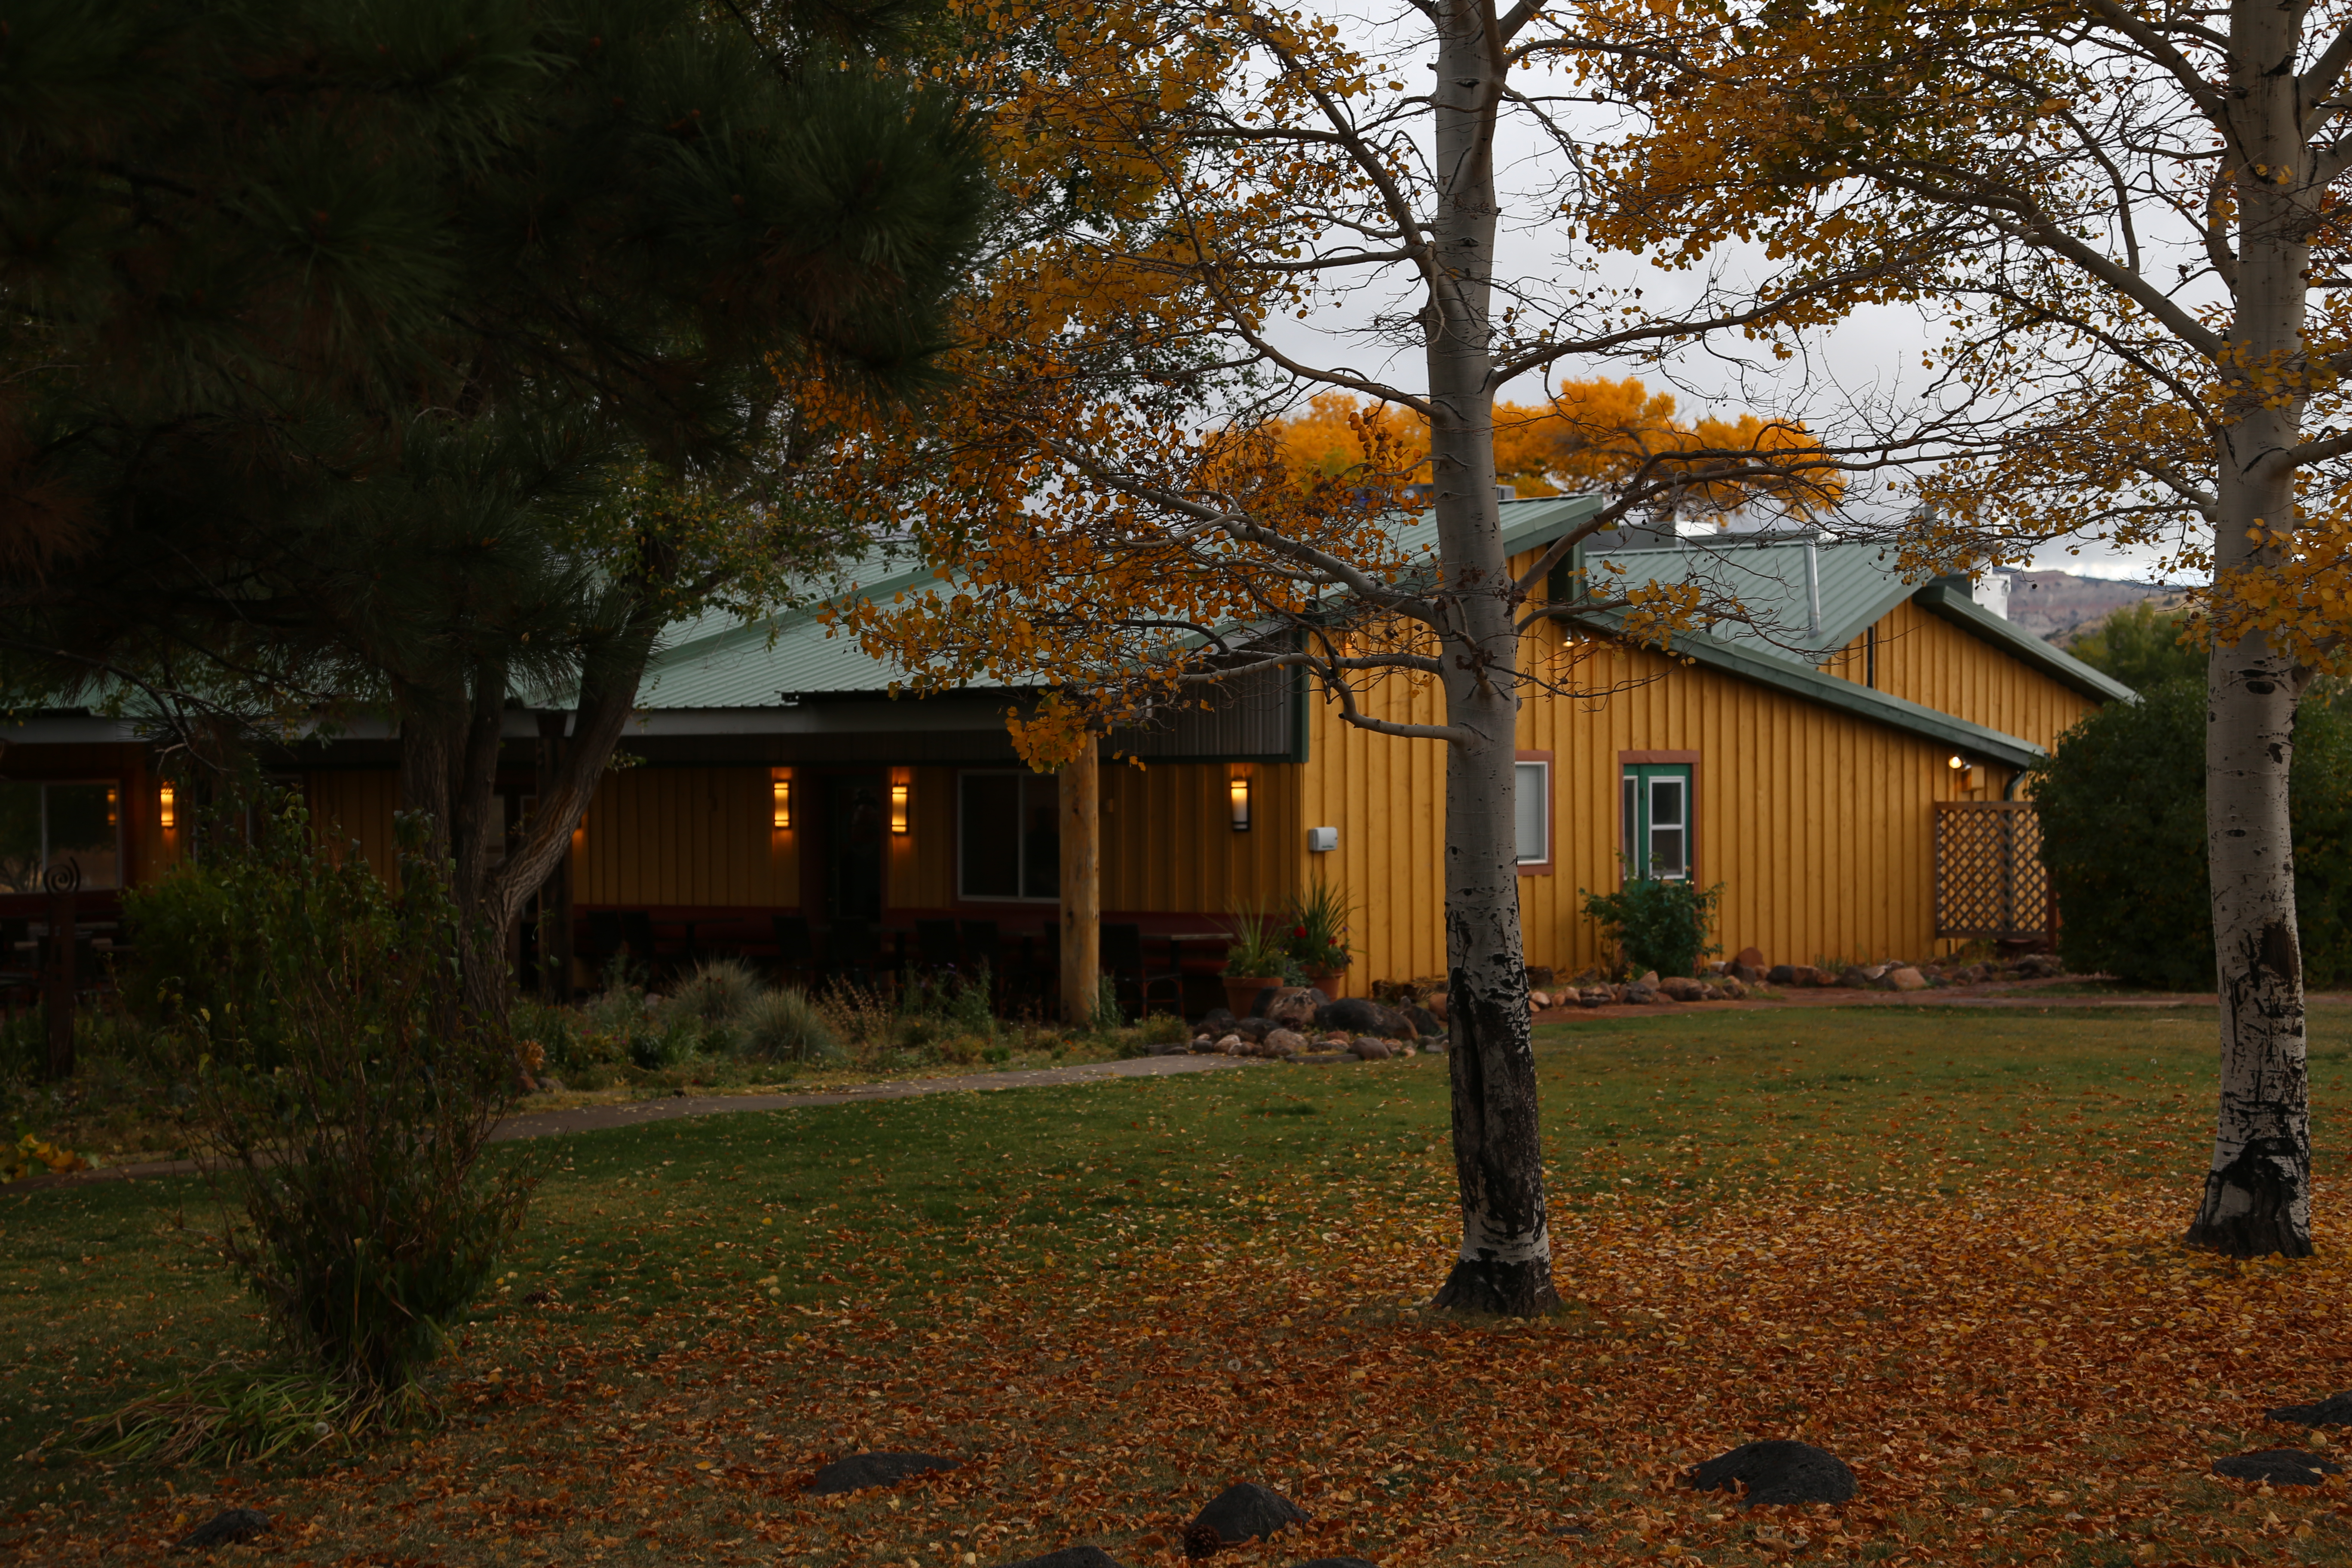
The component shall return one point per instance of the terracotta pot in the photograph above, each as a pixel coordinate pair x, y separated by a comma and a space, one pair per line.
1240, 992
1332, 983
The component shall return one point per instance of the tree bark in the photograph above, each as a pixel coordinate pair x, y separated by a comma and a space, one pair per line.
1505, 1259
1081, 844
2257, 1196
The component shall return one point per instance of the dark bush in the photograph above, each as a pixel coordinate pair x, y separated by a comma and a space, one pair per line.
1658, 925
344, 1097
2122, 803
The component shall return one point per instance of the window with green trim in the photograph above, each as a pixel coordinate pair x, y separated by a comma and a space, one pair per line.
1657, 821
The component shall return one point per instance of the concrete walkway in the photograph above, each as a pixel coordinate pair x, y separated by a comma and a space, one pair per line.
597, 1117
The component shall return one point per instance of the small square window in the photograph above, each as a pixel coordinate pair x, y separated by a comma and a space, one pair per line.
1656, 821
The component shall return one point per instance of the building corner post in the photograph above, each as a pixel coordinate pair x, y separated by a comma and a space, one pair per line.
1081, 844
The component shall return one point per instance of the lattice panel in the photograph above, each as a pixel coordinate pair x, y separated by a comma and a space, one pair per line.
1990, 879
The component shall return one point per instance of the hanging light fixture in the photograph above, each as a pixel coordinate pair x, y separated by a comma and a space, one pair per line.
167, 814
1238, 789
782, 790
898, 808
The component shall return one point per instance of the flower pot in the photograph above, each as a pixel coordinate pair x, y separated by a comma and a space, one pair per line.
1241, 991
1332, 983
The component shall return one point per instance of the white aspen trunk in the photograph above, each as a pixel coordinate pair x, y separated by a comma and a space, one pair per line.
1506, 1260
2258, 1191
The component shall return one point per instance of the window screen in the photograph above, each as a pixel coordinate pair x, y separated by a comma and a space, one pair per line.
1532, 811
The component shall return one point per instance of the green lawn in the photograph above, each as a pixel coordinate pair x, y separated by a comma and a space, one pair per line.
1124, 1293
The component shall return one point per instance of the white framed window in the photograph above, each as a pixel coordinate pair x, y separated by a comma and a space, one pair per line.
1531, 811
1656, 817
1008, 837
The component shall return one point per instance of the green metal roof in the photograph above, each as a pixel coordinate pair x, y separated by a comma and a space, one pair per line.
1803, 599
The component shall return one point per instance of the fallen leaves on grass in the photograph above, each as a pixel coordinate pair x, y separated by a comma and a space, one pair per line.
2019, 1373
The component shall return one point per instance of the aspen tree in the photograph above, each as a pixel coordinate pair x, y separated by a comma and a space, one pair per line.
2143, 301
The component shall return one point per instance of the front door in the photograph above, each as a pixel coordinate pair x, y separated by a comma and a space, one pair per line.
854, 833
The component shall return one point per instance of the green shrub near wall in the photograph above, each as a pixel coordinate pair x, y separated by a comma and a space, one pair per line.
2122, 802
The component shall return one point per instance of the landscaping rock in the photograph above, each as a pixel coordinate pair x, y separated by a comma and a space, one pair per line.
1426, 1024
1284, 1042
1777, 1471
1292, 1007
1746, 974
2336, 1410
1253, 1030
1243, 1512
1069, 1557
1230, 1045
1360, 1016
1538, 1001
1682, 988
1781, 974
1650, 980
1170, 1049
1367, 1048
221, 1530
1436, 1003
1639, 994
1539, 976
1854, 977
1904, 979
1216, 1021
1748, 958
1734, 986
856, 1472
2280, 1467
1595, 997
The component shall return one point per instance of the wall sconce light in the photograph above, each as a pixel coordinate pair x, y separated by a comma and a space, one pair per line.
782, 791
167, 812
110, 805
1962, 769
898, 808
1239, 789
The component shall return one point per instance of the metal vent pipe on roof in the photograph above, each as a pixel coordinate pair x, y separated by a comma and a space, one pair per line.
1812, 589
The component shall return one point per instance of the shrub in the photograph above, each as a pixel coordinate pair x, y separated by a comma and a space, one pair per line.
2122, 804
785, 1026
344, 1122
719, 992
1658, 925
1165, 1029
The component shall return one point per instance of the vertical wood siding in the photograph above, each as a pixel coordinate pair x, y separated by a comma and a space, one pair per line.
1817, 823
1926, 660
349, 805
1169, 844
684, 837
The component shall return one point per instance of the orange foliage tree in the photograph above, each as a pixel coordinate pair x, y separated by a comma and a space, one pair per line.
1140, 493
2142, 273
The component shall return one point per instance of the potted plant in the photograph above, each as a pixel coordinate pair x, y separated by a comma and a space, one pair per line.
1258, 958
1318, 939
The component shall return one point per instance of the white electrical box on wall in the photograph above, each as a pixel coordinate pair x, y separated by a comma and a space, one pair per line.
1322, 840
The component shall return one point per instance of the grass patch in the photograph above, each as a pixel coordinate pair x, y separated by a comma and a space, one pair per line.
1938, 1242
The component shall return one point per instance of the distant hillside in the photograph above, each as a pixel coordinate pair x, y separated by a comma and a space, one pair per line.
2058, 605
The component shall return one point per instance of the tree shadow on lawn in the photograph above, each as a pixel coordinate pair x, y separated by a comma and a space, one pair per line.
1941, 1246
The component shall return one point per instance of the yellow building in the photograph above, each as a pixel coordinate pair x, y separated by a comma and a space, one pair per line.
779, 802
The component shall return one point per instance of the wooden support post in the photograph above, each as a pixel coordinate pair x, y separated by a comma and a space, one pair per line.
59, 1001
1081, 837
